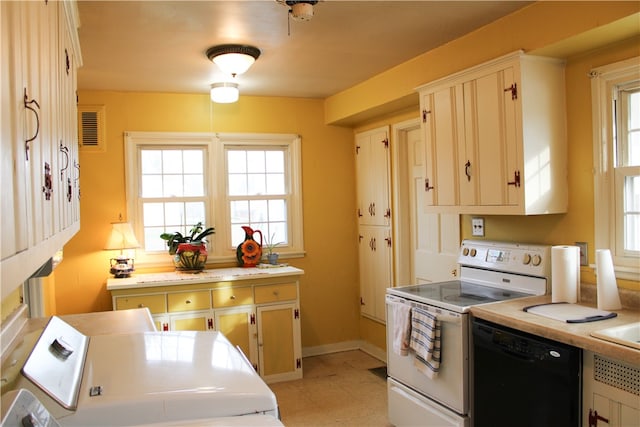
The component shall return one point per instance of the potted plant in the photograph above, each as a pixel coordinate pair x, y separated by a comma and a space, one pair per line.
189, 251
270, 245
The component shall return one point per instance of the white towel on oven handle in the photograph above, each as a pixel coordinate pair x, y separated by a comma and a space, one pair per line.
401, 327
426, 332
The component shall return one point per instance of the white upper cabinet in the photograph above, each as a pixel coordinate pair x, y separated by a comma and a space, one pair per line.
496, 138
40, 203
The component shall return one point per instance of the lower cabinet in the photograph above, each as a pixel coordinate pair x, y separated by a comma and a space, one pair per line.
262, 318
611, 392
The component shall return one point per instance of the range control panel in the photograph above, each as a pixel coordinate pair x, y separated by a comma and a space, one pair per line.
519, 258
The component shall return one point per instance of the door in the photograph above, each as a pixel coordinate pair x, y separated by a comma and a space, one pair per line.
428, 247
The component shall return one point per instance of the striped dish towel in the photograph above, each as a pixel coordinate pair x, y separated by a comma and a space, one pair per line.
425, 341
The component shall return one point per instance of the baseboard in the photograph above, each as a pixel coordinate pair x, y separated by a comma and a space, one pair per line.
346, 346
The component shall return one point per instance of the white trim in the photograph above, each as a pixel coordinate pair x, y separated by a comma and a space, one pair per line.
368, 348
603, 80
12, 327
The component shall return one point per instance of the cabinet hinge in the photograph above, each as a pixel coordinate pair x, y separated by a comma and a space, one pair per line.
514, 91
253, 319
296, 313
359, 213
357, 149
387, 213
388, 240
424, 115
255, 367
362, 301
298, 363
210, 323
516, 179
385, 142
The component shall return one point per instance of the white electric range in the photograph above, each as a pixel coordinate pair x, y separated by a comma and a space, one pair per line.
489, 272
146, 378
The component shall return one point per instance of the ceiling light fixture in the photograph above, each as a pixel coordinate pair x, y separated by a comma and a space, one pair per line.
233, 59
301, 10
224, 92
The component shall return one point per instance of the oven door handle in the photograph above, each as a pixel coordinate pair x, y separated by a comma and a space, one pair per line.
442, 314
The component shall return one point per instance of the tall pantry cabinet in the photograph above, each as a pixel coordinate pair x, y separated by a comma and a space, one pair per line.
40, 166
374, 220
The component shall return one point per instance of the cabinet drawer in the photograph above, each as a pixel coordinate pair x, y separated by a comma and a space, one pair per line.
155, 303
275, 293
188, 301
231, 297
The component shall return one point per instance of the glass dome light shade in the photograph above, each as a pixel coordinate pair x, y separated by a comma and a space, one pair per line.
225, 92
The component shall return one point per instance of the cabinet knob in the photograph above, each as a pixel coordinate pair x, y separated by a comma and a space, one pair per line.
232, 297
276, 293
188, 301
140, 305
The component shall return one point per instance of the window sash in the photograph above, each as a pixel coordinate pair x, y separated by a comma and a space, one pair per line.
609, 179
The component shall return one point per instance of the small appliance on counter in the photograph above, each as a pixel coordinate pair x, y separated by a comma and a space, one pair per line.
142, 379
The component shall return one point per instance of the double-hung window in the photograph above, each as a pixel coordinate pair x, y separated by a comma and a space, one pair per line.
225, 181
616, 126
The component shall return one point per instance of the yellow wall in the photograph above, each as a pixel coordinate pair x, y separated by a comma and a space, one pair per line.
329, 290
329, 287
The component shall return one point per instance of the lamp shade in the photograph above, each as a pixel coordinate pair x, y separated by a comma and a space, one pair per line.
121, 237
224, 92
233, 59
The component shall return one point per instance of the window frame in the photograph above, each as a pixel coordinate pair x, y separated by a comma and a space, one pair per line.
217, 202
607, 190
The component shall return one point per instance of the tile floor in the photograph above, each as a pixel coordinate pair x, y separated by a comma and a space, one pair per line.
337, 389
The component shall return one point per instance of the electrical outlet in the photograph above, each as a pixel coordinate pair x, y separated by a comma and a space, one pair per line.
584, 254
477, 227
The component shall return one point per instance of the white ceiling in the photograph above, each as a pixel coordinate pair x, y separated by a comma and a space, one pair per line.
159, 46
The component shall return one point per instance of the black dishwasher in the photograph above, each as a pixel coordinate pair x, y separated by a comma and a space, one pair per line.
523, 380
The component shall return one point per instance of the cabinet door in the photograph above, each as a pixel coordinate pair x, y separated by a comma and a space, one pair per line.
490, 122
14, 173
372, 177
239, 326
279, 347
442, 122
375, 270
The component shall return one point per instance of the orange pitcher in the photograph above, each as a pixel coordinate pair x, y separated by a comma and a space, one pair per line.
249, 252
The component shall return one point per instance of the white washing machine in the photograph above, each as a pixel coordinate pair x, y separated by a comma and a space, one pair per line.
146, 378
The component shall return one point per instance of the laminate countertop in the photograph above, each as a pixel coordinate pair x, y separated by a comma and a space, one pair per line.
511, 314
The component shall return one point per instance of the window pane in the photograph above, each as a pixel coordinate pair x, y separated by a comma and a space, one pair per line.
256, 184
172, 161
151, 186
275, 183
277, 210
152, 240
255, 162
237, 185
193, 162
174, 214
172, 186
193, 185
240, 212
275, 161
258, 211
632, 213
151, 161
194, 212
236, 161
153, 214
634, 148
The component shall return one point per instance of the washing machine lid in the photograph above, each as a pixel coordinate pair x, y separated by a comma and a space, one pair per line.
169, 376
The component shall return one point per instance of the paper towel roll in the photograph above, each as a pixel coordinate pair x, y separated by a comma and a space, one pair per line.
565, 274
606, 285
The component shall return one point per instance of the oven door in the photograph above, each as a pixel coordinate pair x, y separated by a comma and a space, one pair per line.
450, 386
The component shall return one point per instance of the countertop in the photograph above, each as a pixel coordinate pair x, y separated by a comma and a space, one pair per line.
510, 314
212, 275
